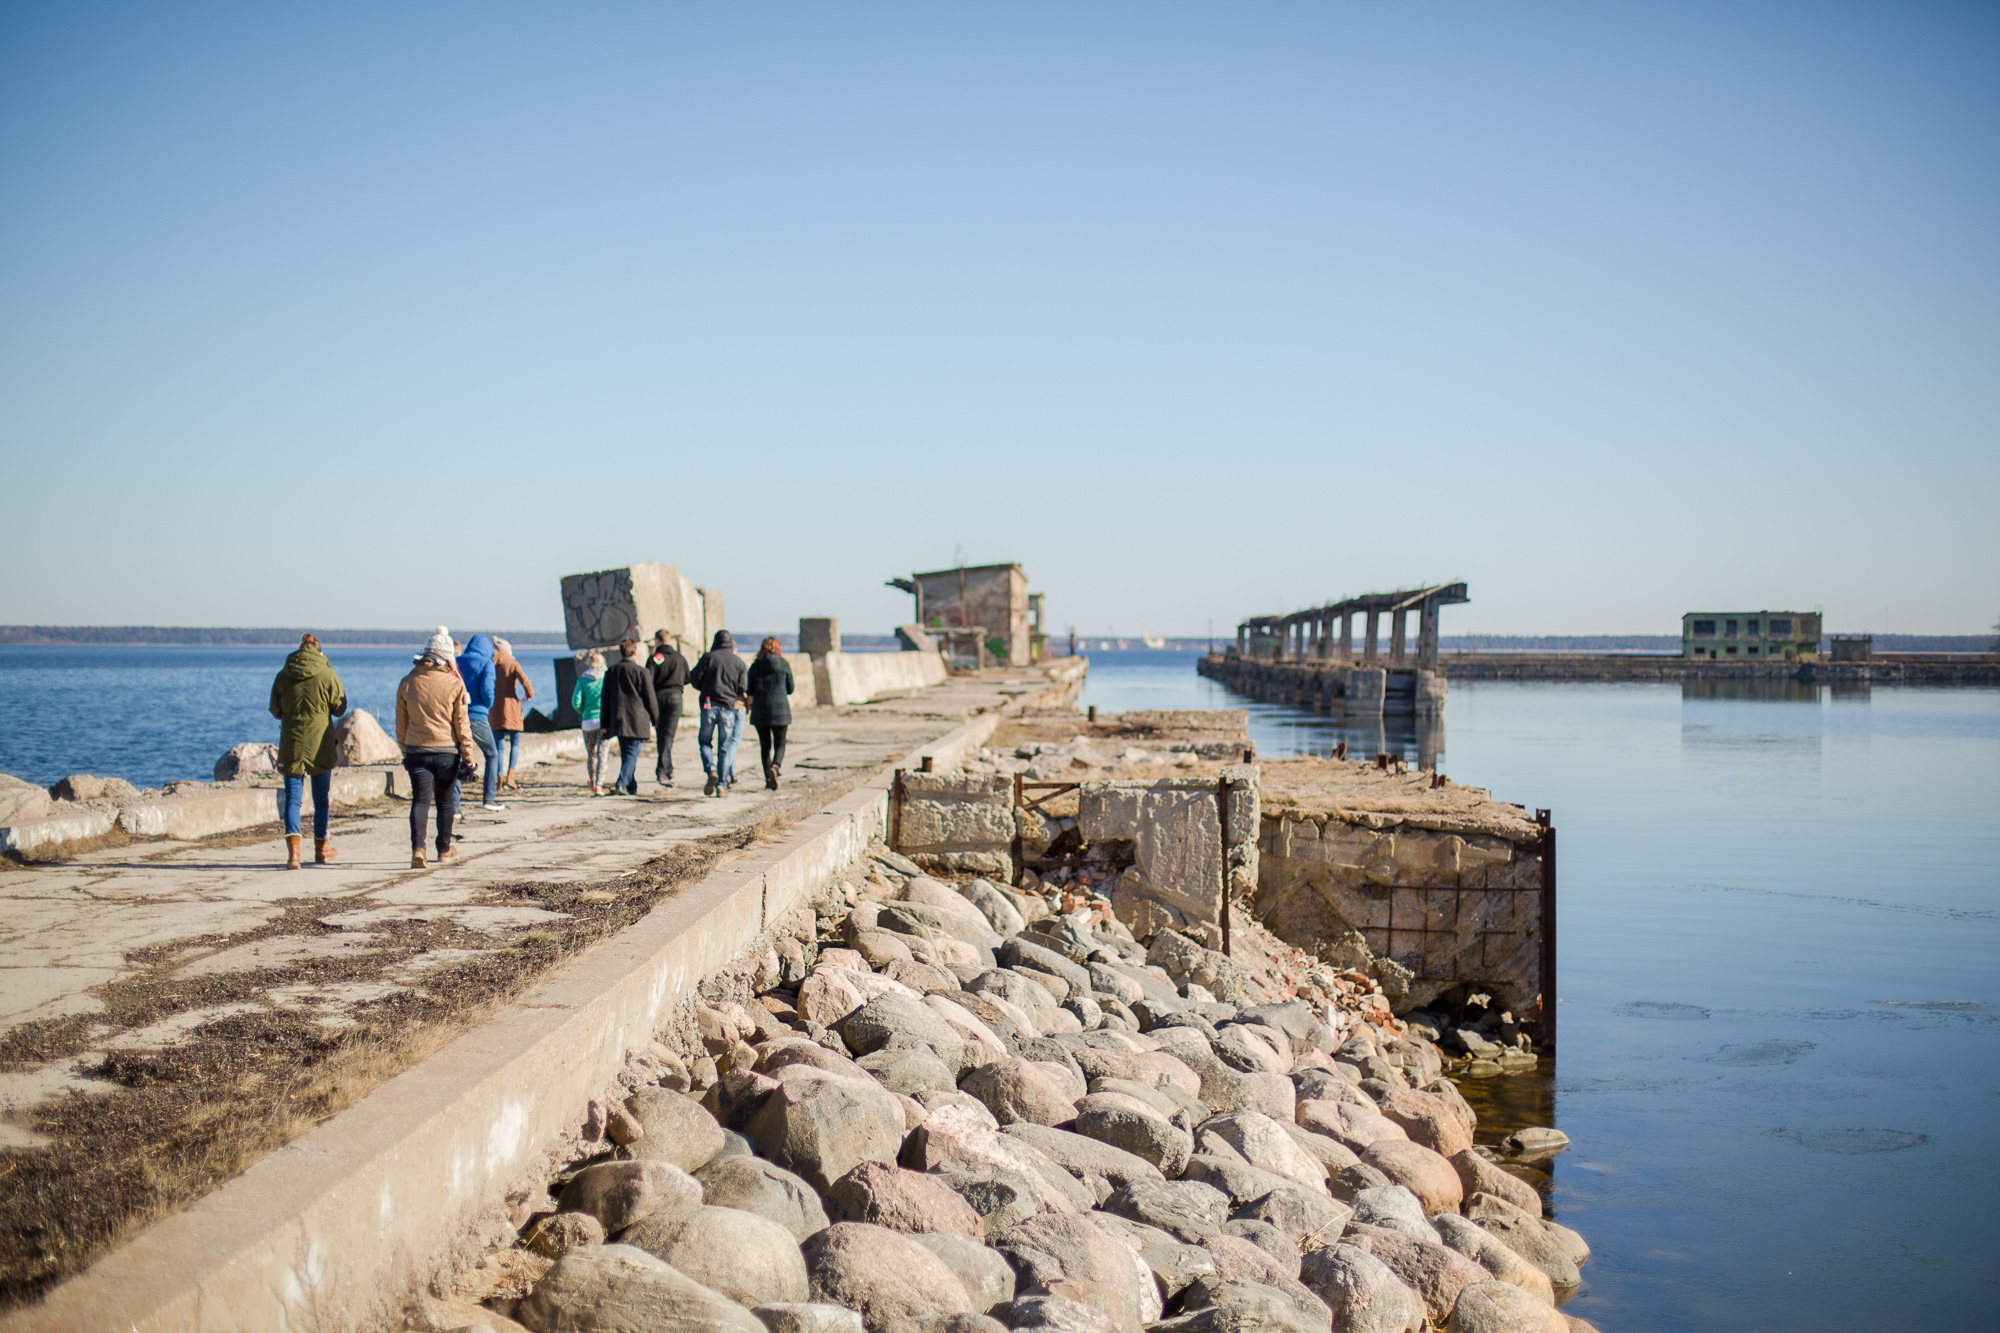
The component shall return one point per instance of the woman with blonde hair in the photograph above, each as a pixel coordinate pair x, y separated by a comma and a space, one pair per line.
587, 699
770, 688
509, 682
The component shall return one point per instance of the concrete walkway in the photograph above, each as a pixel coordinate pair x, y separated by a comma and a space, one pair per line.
166, 913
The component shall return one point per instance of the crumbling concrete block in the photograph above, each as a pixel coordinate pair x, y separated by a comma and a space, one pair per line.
603, 607
819, 635
957, 821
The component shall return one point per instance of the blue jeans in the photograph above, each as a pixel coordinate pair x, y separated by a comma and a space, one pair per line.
482, 736
293, 796
510, 749
628, 764
721, 732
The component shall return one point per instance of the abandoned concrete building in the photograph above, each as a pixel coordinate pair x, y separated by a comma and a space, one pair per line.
1787, 635
978, 611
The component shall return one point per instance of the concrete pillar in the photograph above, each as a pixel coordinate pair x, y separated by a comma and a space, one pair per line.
1427, 635
1364, 689
1399, 628
1347, 636
1369, 654
1242, 639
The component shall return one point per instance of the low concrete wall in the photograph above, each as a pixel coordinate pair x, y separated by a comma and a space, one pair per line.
855, 678
198, 812
325, 1232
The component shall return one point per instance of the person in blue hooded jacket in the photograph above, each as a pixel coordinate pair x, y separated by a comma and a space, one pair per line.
475, 668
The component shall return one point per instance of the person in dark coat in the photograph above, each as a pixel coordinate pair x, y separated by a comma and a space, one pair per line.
720, 676
628, 710
305, 698
669, 671
770, 688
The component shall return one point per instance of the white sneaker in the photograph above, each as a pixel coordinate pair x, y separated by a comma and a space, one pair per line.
493, 806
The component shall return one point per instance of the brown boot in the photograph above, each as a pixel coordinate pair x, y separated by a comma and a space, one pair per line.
448, 855
292, 847
417, 861
323, 851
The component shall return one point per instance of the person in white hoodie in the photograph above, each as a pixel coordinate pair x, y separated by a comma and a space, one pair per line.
586, 699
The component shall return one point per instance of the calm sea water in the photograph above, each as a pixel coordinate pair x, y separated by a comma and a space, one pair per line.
1763, 1141
156, 714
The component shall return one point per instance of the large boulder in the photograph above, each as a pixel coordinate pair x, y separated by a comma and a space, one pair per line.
889, 1196
1428, 1176
1501, 1307
1394, 1207
883, 1274
1017, 1090
750, 1259
676, 1129
807, 1317
1223, 1306
1175, 1263
1070, 1256
1309, 1218
1253, 1048
1000, 914
1479, 1176
1537, 1242
959, 1140
1152, 1068
1493, 1255
1241, 1260
1296, 1019
828, 995
245, 760
1186, 1209
822, 1125
764, 1188
900, 1020
1224, 1089
620, 1193
1136, 1127
1055, 1314
1084, 1157
1028, 956
1235, 1177
1266, 1145
1331, 1155
1349, 1124
1365, 1294
1426, 1117
1436, 1273
984, 1271
618, 1288
359, 739
908, 1069
1326, 1085
86, 787
21, 801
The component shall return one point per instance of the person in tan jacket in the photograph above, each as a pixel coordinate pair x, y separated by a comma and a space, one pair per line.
510, 687
435, 730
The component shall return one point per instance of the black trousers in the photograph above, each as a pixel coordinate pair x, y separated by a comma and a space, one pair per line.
663, 738
771, 747
432, 778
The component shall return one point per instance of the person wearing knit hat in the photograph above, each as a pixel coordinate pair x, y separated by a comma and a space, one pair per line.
434, 728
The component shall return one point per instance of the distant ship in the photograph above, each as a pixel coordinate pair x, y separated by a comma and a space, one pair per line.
1152, 640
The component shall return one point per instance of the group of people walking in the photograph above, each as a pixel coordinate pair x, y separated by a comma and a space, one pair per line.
634, 700
458, 717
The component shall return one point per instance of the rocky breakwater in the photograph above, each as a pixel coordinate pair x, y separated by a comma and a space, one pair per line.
953, 1107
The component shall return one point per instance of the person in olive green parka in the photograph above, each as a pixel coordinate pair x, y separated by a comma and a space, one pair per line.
305, 698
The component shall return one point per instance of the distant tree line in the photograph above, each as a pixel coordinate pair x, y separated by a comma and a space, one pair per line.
230, 636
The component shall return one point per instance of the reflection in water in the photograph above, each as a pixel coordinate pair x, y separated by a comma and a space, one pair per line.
1758, 691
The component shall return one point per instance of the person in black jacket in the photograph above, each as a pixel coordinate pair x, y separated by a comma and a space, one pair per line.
669, 671
720, 676
628, 710
770, 688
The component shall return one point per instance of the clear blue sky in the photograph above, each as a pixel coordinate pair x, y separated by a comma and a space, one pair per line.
383, 315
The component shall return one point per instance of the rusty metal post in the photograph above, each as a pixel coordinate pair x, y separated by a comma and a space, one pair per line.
1014, 848
926, 763
896, 811
1222, 822
1548, 977
1093, 712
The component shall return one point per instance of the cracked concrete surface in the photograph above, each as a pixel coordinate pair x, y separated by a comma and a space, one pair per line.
181, 910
